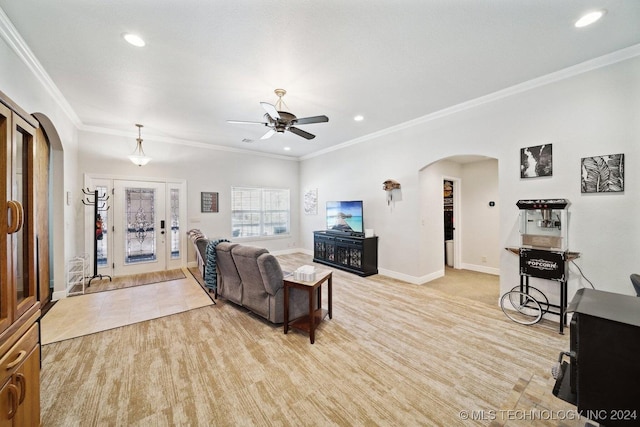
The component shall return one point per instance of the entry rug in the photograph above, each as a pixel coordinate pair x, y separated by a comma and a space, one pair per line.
100, 285
90, 313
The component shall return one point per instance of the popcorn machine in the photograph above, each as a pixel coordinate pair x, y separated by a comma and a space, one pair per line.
543, 254
543, 223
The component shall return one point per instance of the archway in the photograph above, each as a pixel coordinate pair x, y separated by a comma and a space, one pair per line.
476, 216
54, 191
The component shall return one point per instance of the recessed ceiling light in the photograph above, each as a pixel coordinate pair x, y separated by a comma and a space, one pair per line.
287, 148
358, 118
134, 39
589, 18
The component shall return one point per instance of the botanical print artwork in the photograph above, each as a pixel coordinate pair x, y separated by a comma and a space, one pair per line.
602, 174
536, 161
311, 202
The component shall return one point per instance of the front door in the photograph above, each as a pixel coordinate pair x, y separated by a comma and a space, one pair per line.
140, 227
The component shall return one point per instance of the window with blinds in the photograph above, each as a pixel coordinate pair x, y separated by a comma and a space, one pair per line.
258, 212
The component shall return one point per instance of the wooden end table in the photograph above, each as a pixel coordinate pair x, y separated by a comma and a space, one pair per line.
309, 322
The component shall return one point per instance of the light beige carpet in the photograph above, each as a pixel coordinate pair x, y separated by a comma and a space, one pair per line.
394, 354
90, 313
480, 287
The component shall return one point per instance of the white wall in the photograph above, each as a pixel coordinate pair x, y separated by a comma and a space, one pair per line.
204, 169
480, 222
357, 173
588, 114
432, 216
19, 83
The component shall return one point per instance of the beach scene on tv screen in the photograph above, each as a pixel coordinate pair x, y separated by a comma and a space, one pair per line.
344, 216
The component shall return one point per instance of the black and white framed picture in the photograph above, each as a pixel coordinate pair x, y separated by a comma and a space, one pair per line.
602, 174
536, 161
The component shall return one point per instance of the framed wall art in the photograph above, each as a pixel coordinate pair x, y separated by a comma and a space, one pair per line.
536, 161
311, 202
208, 202
602, 174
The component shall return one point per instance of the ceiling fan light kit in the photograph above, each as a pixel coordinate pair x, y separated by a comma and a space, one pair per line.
279, 120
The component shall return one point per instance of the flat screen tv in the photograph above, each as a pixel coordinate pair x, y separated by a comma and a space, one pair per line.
345, 216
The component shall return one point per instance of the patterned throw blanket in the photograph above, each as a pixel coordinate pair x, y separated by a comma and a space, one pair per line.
210, 272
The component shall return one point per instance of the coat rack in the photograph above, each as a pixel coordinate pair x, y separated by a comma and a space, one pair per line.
99, 203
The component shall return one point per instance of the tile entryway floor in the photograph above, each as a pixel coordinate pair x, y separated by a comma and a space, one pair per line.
90, 313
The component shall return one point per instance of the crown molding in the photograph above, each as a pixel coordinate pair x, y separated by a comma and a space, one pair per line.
583, 67
183, 142
15, 41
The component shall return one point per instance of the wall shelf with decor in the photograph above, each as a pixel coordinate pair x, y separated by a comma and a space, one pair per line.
358, 255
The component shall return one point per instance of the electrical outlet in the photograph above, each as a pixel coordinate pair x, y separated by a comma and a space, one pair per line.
484, 259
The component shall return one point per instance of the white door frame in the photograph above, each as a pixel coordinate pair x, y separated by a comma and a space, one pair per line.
93, 180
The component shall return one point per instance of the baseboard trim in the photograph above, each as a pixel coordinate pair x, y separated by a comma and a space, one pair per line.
58, 295
289, 251
481, 269
416, 280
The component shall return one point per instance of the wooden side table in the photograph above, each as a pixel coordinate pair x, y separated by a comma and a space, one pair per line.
310, 322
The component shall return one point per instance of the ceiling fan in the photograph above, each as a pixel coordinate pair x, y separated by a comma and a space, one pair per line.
280, 121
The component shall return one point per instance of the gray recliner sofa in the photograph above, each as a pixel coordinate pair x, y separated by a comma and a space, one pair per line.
252, 277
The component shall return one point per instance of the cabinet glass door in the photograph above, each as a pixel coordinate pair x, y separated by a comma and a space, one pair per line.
5, 189
23, 240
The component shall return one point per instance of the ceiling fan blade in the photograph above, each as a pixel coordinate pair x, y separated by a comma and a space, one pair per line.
271, 110
309, 120
301, 133
268, 134
241, 122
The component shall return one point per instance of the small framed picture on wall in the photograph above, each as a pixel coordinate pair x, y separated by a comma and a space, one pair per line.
208, 201
536, 161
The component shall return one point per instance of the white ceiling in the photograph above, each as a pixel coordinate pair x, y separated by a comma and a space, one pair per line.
392, 61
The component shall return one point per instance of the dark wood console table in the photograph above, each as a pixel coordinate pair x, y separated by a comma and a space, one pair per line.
354, 254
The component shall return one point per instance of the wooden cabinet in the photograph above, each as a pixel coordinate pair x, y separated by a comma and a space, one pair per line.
20, 393
357, 255
19, 306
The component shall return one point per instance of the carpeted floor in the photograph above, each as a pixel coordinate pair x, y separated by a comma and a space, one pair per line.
480, 287
393, 354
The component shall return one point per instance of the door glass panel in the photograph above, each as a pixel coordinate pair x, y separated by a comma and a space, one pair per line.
140, 244
102, 229
175, 223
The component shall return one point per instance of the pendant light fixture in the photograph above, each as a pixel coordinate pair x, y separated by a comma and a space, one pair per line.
138, 157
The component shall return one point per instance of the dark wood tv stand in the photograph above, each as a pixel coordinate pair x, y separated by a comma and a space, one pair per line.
355, 254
